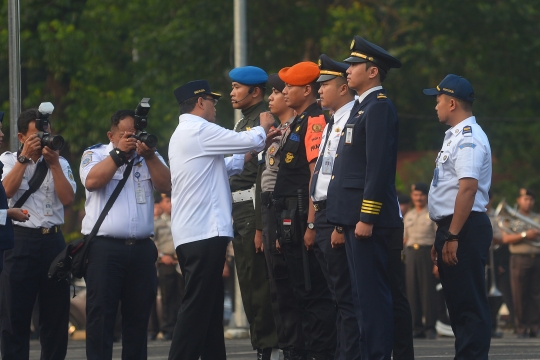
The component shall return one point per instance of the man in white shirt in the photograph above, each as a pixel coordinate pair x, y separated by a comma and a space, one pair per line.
457, 203
121, 259
335, 95
37, 242
201, 214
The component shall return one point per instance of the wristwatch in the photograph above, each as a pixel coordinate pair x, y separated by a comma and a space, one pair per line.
523, 234
339, 229
23, 159
310, 226
448, 236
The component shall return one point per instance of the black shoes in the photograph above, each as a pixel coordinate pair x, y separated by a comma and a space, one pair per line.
264, 354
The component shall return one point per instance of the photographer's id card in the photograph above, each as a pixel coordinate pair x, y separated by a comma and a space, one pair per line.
47, 207
140, 196
328, 163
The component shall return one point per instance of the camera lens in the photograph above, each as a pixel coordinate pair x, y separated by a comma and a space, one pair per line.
150, 140
54, 142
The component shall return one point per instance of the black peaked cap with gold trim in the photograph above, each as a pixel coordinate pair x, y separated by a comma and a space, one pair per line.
192, 89
330, 69
364, 51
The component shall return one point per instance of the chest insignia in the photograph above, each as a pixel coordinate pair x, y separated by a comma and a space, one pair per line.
272, 150
248, 128
360, 112
445, 157
338, 129
271, 161
289, 157
297, 128
449, 143
316, 128
457, 131
294, 137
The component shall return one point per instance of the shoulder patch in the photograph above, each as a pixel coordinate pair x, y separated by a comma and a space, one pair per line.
70, 175
467, 131
87, 158
464, 145
381, 96
294, 137
93, 147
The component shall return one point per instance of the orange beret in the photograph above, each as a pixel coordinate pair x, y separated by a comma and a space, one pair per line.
303, 73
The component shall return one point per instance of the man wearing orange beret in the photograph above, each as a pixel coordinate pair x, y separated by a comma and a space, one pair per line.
296, 215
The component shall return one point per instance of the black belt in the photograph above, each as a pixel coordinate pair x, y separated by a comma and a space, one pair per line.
40, 230
125, 241
319, 205
446, 221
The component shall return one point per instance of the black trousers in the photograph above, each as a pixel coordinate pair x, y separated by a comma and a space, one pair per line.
199, 327
286, 311
24, 278
336, 271
119, 273
421, 287
464, 286
171, 285
525, 280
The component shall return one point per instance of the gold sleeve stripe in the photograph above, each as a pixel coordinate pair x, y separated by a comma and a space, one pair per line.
373, 202
371, 207
370, 212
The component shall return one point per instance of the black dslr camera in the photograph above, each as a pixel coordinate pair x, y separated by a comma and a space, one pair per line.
141, 120
55, 142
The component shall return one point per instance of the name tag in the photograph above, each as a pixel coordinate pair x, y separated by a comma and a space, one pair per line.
327, 165
349, 134
47, 207
140, 195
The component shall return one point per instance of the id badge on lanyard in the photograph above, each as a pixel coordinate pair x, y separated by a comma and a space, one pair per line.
140, 195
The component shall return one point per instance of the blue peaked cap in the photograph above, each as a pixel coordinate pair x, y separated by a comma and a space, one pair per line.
248, 75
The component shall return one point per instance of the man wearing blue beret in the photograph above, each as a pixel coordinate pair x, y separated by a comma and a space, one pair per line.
247, 95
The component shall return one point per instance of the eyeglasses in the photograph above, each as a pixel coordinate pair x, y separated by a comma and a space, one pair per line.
214, 101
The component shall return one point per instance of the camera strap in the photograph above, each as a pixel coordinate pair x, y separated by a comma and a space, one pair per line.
34, 183
111, 201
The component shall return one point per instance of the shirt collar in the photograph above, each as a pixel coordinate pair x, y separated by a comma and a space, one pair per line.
253, 111
190, 117
456, 130
367, 92
342, 111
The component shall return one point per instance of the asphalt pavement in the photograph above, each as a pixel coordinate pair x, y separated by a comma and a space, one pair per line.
507, 348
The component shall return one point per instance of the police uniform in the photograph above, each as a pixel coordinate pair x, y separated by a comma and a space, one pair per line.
37, 243
6, 225
170, 280
465, 153
525, 277
250, 266
301, 148
421, 283
121, 259
334, 261
287, 314
362, 188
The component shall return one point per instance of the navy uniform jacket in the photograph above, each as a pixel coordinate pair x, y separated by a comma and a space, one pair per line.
6, 231
362, 187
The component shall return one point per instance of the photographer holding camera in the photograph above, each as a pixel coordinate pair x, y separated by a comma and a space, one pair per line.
122, 256
39, 181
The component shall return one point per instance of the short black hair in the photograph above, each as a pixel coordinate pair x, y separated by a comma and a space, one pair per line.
382, 73
25, 118
465, 105
188, 105
121, 115
343, 80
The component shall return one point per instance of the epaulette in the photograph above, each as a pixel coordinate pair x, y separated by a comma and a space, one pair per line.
381, 96
93, 147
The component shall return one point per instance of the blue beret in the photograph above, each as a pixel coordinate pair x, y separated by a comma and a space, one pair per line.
248, 75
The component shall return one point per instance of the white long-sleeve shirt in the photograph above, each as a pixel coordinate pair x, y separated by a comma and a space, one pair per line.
201, 197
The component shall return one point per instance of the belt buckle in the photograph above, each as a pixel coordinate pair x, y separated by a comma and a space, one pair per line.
317, 207
130, 241
45, 231
416, 246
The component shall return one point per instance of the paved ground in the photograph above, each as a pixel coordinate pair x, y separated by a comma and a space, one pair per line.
507, 348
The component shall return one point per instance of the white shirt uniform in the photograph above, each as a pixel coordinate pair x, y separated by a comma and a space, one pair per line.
341, 117
465, 154
44, 206
129, 216
201, 197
